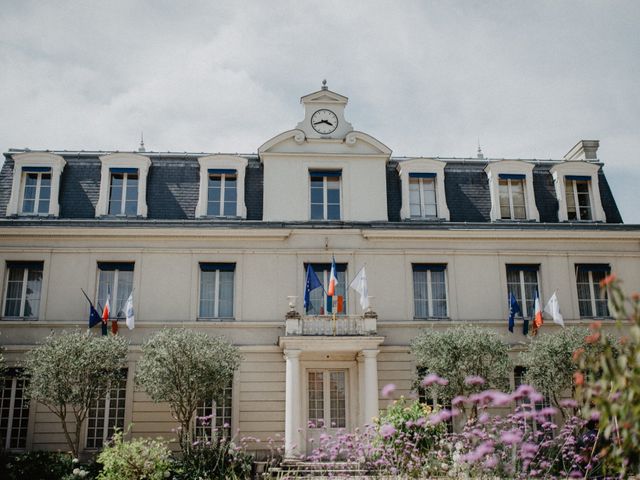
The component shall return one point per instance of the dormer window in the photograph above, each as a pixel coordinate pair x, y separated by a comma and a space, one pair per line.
511, 188
325, 194
222, 187
123, 185
578, 192
423, 195
36, 183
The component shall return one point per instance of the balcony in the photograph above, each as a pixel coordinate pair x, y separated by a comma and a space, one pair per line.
327, 325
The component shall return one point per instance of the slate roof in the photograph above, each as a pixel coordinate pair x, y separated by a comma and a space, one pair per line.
173, 185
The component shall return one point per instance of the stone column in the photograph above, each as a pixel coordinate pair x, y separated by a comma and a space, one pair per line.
370, 384
292, 446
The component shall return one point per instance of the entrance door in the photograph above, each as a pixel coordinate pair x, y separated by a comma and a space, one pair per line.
327, 404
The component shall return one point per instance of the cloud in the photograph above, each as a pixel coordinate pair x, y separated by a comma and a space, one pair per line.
426, 78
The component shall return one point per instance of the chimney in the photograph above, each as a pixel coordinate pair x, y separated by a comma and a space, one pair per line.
584, 150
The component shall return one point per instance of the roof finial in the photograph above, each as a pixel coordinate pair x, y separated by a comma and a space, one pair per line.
141, 147
324, 84
480, 154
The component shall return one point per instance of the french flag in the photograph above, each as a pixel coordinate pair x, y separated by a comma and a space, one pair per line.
333, 279
537, 314
106, 309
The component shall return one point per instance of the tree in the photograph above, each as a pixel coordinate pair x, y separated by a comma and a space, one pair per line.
459, 353
69, 372
549, 363
185, 368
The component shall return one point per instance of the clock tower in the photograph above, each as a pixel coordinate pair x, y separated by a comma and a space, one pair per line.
324, 114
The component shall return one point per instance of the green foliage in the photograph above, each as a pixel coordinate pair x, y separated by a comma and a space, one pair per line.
609, 382
184, 368
549, 362
216, 458
461, 352
36, 465
69, 371
140, 458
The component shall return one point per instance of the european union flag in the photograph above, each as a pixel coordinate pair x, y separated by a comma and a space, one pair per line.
311, 284
514, 309
94, 316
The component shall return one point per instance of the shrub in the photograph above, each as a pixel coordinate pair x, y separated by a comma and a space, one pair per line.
215, 458
137, 459
185, 368
36, 465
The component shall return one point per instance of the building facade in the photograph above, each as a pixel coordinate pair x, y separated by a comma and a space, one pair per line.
220, 244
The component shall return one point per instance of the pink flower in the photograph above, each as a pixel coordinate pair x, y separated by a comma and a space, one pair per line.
387, 430
547, 411
511, 437
433, 378
491, 462
473, 380
536, 397
388, 389
568, 403
528, 451
484, 418
459, 400
443, 415
421, 422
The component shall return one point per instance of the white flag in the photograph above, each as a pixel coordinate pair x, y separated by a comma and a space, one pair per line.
359, 284
553, 309
128, 309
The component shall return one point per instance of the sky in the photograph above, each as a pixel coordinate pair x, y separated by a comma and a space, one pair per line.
427, 78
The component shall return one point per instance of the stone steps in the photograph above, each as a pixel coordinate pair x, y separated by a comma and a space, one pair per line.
318, 470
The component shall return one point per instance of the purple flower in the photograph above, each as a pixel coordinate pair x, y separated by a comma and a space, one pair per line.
511, 437
491, 462
536, 397
459, 400
522, 391
473, 380
482, 450
484, 418
528, 451
568, 403
547, 411
443, 415
595, 416
388, 389
433, 378
387, 430
421, 422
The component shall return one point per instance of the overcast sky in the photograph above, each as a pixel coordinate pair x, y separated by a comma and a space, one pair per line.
529, 79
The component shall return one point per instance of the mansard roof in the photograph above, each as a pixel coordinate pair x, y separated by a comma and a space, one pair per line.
173, 188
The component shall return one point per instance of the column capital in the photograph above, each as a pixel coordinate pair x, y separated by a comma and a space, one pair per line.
370, 353
291, 353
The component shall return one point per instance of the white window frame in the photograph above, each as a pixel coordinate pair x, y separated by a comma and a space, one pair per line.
574, 194
323, 276
510, 195
523, 291
214, 421
123, 195
216, 294
578, 169
423, 165
325, 202
23, 294
231, 162
326, 394
223, 183
113, 294
123, 160
423, 204
35, 159
36, 200
105, 403
511, 167
592, 296
430, 294
12, 400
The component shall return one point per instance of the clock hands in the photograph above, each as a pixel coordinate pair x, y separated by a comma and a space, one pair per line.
323, 121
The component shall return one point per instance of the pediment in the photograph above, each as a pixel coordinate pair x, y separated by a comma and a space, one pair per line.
324, 96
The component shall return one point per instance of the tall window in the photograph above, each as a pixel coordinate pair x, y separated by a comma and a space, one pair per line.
214, 417
123, 191
14, 411
222, 193
327, 399
320, 303
578, 193
512, 197
592, 300
325, 195
36, 190
216, 290
422, 195
107, 414
115, 279
430, 290
24, 284
519, 373
522, 282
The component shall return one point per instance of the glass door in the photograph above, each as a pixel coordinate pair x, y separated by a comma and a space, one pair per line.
326, 404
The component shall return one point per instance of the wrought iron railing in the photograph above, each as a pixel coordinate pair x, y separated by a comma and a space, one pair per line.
327, 325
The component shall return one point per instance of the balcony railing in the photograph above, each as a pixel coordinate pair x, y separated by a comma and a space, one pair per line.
327, 325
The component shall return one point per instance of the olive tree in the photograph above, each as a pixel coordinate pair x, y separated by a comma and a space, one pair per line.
70, 371
458, 353
184, 368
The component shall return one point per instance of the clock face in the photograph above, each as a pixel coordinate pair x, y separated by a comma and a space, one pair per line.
324, 121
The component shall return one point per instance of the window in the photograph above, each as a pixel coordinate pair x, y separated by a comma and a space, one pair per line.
123, 185
422, 195
325, 195
322, 304
115, 280
14, 411
222, 193
214, 417
35, 184
519, 373
327, 399
592, 300
429, 397
24, 285
578, 192
522, 282
216, 290
430, 290
107, 414
36, 190
123, 192
512, 198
